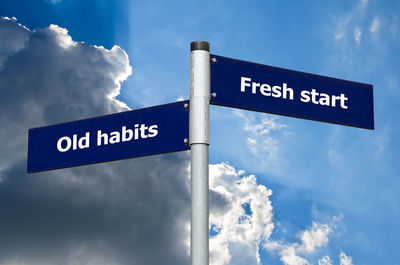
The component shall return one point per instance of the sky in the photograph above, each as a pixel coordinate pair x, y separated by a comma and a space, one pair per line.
282, 190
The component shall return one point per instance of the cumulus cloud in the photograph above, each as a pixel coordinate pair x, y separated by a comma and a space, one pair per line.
240, 216
315, 237
241, 223
345, 260
290, 257
13, 38
113, 213
312, 239
326, 260
47, 78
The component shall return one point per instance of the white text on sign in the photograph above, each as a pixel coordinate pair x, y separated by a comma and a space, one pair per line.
140, 131
286, 92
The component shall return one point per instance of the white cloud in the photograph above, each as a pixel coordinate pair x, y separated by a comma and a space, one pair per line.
345, 260
261, 140
265, 127
357, 35
62, 36
12, 38
252, 144
13, 19
239, 233
375, 25
312, 239
326, 260
290, 257
315, 237
350, 23
339, 35
358, 32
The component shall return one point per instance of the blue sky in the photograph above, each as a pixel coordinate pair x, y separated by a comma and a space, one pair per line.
345, 180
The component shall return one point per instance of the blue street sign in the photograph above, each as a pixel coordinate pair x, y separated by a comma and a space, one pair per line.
263, 88
136, 133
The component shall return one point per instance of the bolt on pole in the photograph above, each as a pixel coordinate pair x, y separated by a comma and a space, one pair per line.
199, 138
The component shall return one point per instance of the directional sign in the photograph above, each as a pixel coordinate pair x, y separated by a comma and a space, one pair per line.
263, 88
136, 133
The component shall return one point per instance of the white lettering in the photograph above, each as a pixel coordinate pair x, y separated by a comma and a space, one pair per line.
114, 137
143, 129
60, 142
140, 131
153, 131
276, 91
125, 131
264, 88
323, 99
243, 83
305, 96
84, 141
342, 100
314, 95
74, 142
136, 131
102, 138
334, 98
287, 89
254, 86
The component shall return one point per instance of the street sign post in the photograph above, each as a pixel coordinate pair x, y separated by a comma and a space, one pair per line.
268, 89
199, 145
169, 128
136, 133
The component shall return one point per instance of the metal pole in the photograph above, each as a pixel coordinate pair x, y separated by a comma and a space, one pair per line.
199, 135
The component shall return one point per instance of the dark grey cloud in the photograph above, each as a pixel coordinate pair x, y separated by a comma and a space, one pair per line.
127, 212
